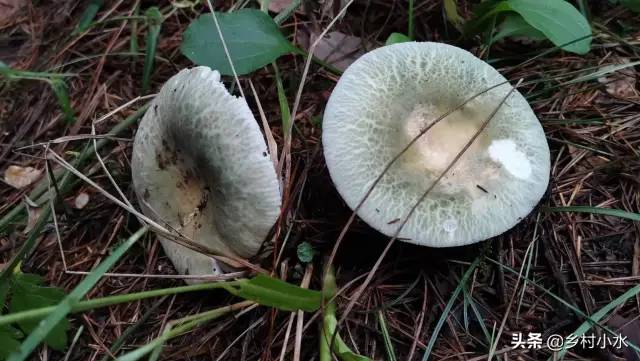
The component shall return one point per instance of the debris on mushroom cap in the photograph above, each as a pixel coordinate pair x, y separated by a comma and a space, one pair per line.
201, 166
386, 98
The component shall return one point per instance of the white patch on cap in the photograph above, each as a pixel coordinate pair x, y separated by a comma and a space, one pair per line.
450, 225
504, 151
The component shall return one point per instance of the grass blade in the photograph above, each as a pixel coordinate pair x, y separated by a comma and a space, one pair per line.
87, 16
597, 210
570, 306
282, 100
388, 345
154, 23
449, 306
64, 308
329, 335
61, 92
586, 325
273, 292
117, 344
182, 325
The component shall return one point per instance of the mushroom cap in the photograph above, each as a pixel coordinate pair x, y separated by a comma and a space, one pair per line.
386, 97
200, 165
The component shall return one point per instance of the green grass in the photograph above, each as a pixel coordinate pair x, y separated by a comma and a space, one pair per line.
597, 210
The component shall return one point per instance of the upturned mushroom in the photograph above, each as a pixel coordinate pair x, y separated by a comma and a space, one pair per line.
201, 166
387, 97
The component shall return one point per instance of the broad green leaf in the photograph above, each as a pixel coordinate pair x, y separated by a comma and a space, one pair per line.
305, 252
273, 292
65, 306
558, 20
395, 38
8, 341
484, 15
514, 25
28, 293
252, 37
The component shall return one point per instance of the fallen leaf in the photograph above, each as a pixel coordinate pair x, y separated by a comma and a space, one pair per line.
277, 6
81, 200
29, 292
335, 48
20, 177
621, 84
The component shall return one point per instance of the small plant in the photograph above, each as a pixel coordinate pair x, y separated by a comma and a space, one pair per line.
251, 36
25, 292
555, 20
56, 81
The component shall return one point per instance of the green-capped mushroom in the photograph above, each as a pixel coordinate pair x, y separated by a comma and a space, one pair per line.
200, 165
387, 97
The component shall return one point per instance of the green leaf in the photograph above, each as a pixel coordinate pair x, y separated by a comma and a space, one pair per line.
451, 11
305, 252
62, 309
483, 16
273, 292
330, 323
87, 16
4, 68
61, 92
395, 38
252, 38
558, 20
154, 22
282, 100
27, 293
514, 25
8, 341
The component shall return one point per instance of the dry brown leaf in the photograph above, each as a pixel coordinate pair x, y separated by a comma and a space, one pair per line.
278, 5
336, 48
81, 200
621, 84
20, 177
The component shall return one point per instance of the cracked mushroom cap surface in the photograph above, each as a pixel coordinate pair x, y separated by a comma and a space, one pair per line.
201, 167
386, 98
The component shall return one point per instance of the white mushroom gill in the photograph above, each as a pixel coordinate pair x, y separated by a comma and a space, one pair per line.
200, 165
387, 97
